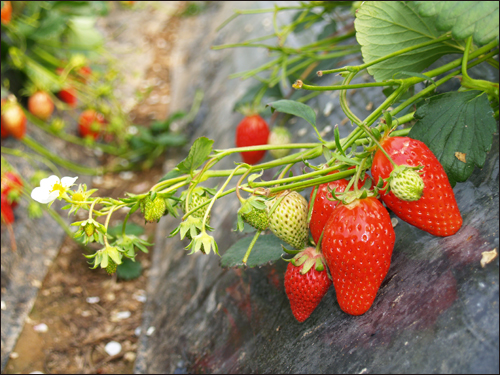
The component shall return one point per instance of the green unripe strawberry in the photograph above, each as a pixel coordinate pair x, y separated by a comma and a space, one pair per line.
198, 198
279, 136
254, 212
111, 267
89, 229
153, 209
406, 184
288, 218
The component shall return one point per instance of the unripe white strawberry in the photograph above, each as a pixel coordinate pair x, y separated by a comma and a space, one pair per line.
406, 184
279, 136
288, 218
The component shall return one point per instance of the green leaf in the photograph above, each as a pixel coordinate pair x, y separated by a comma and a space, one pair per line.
385, 27
83, 34
294, 108
128, 269
456, 122
198, 153
130, 228
266, 250
464, 18
170, 140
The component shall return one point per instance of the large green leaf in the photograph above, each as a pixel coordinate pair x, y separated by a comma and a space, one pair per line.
385, 27
294, 108
453, 125
267, 249
464, 18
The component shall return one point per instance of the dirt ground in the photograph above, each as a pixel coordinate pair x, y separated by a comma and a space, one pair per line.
84, 309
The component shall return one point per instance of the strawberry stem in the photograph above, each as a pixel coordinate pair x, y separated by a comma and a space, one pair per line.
250, 247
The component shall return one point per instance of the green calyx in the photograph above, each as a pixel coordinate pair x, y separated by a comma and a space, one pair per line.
253, 211
406, 183
309, 258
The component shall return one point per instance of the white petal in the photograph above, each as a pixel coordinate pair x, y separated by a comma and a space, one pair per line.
68, 181
49, 182
40, 194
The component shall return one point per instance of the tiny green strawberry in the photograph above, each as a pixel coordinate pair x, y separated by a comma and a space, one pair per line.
89, 229
406, 184
279, 136
153, 209
111, 267
198, 197
254, 212
288, 218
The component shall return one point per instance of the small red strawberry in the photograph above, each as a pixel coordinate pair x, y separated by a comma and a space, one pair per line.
306, 282
5, 133
91, 124
13, 119
68, 96
7, 212
41, 105
357, 246
252, 131
11, 187
436, 211
323, 207
6, 12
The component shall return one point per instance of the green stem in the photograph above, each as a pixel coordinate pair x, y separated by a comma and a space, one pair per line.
107, 224
132, 210
346, 87
250, 247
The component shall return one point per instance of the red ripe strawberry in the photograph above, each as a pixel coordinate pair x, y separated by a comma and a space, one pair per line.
252, 131
13, 119
357, 246
323, 207
6, 12
436, 211
11, 187
91, 124
68, 96
41, 105
7, 213
306, 283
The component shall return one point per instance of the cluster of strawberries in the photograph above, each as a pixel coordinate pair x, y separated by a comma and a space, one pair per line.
11, 190
91, 123
354, 234
254, 131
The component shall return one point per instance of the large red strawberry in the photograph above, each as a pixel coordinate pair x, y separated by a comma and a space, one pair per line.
13, 119
11, 188
436, 211
41, 105
306, 282
91, 124
252, 131
357, 245
323, 207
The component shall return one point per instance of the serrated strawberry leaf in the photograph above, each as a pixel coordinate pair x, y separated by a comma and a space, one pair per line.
297, 109
385, 27
464, 18
267, 250
456, 122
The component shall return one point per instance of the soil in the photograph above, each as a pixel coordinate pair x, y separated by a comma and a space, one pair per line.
78, 330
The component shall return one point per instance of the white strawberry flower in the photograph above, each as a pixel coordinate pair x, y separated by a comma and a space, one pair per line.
51, 188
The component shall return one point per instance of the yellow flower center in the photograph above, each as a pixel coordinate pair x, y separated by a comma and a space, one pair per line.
78, 197
59, 187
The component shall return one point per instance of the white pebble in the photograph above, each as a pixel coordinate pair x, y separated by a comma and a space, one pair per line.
122, 315
42, 327
4, 307
93, 300
126, 175
328, 109
113, 348
137, 331
394, 222
150, 331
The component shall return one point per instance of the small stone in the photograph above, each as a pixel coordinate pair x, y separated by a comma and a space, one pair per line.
14, 355
93, 300
120, 316
86, 313
150, 331
42, 328
488, 256
137, 331
4, 307
129, 356
394, 222
113, 348
126, 175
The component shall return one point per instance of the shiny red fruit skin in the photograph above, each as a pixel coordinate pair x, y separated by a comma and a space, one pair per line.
87, 118
6, 12
11, 182
68, 96
305, 292
7, 212
13, 119
436, 211
252, 131
357, 246
41, 105
323, 207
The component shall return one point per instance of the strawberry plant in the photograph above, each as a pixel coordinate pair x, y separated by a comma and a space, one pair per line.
417, 144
